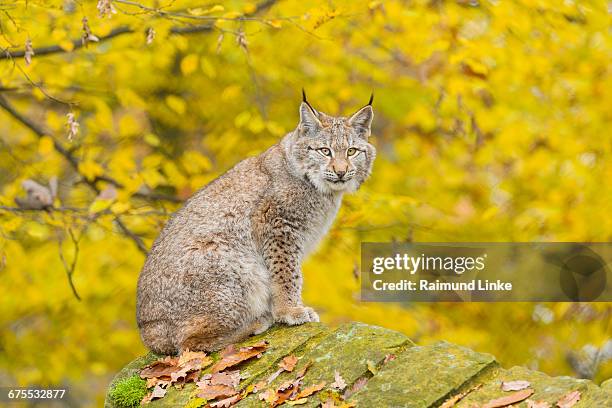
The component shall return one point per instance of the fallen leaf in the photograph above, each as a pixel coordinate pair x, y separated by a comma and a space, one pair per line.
302, 371
297, 401
259, 386
159, 368
456, 398
179, 375
229, 378
357, 386
226, 402
288, 363
509, 399
515, 385
268, 395
328, 404
152, 382
339, 383
310, 390
209, 391
372, 367
157, 393
188, 356
569, 400
537, 404
286, 391
231, 357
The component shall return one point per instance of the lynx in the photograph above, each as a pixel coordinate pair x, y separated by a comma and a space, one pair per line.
228, 263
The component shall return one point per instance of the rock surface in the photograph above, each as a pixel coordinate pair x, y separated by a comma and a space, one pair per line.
396, 373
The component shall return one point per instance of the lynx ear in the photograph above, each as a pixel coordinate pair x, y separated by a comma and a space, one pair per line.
362, 119
309, 117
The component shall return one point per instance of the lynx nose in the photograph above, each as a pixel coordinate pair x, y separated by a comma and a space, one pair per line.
340, 173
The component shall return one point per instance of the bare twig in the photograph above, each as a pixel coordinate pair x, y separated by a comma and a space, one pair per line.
193, 29
74, 163
70, 267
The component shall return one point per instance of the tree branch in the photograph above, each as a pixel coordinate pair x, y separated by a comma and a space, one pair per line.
78, 42
70, 268
74, 163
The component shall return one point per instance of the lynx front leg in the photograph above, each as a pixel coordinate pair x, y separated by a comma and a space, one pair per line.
282, 253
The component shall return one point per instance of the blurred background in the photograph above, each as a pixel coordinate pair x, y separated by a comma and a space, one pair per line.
493, 123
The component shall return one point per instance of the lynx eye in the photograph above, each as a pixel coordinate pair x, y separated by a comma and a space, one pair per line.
325, 151
351, 151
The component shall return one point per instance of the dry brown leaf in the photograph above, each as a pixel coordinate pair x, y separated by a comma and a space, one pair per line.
456, 398
157, 393
179, 375
357, 386
286, 391
339, 383
258, 386
569, 400
308, 391
226, 402
231, 357
160, 368
229, 378
288, 363
509, 399
152, 382
515, 385
537, 404
188, 356
209, 391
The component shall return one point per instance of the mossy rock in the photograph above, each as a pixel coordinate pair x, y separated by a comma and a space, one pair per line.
417, 376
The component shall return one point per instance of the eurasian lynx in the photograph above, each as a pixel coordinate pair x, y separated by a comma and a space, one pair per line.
228, 263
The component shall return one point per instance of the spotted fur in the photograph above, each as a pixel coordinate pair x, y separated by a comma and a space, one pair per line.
228, 263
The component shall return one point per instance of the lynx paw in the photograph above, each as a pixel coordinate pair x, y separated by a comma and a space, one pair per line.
296, 315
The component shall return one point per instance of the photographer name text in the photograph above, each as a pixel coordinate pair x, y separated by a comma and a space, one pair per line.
438, 286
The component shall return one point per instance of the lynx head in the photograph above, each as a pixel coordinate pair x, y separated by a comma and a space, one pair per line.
333, 153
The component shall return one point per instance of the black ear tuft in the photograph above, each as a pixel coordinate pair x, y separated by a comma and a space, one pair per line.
306, 101
369, 102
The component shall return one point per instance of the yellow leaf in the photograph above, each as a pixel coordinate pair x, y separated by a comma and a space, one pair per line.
189, 64
99, 206
275, 23
198, 11
208, 68
151, 139
176, 104
90, 169
119, 208
45, 145
249, 8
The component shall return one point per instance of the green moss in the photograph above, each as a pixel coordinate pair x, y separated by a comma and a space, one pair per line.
128, 392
